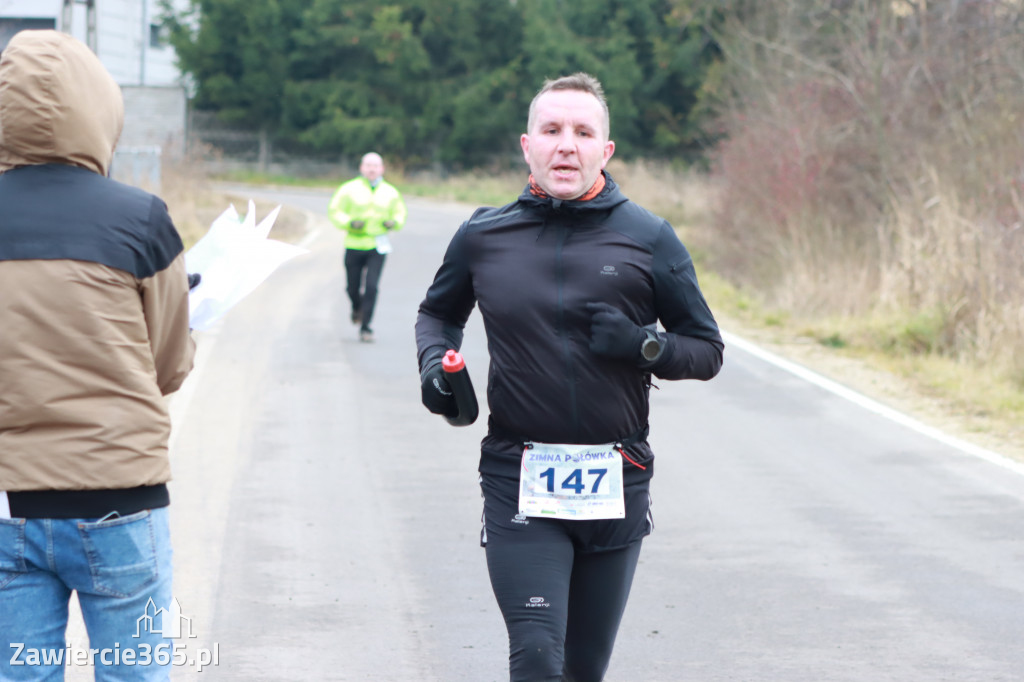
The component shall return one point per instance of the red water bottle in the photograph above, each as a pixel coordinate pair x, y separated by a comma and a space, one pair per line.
455, 372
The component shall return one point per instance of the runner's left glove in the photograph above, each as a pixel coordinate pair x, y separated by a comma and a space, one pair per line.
438, 396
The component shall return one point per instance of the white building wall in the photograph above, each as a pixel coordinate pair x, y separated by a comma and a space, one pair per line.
154, 97
119, 38
123, 35
34, 9
160, 67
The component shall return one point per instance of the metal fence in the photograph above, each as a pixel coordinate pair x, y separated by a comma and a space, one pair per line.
223, 147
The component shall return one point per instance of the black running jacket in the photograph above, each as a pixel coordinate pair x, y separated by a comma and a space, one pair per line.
532, 266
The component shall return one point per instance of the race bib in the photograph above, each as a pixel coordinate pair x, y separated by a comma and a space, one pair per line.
383, 244
571, 482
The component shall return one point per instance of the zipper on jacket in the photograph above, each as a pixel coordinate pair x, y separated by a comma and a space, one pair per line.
561, 236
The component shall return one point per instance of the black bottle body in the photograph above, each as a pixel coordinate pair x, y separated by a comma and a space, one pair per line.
466, 407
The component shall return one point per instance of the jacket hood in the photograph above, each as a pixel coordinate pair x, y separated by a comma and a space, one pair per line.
58, 104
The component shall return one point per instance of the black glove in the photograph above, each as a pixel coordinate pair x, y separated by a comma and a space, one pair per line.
389, 224
614, 335
357, 224
438, 396
193, 280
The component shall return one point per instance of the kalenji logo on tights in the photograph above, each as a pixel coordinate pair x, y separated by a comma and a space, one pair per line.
537, 603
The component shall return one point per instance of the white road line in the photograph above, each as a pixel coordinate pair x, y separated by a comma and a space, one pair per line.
873, 405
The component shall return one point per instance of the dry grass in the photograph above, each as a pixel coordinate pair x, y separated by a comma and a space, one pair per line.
684, 198
483, 189
194, 204
885, 351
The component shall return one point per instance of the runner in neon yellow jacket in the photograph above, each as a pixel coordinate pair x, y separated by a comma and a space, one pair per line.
374, 205
367, 208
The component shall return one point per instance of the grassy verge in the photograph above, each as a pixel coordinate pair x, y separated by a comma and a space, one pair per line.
483, 189
480, 190
194, 206
975, 402
257, 178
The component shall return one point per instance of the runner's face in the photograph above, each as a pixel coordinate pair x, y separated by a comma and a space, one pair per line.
568, 144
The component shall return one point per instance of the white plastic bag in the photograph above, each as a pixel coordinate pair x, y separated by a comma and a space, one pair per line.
233, 257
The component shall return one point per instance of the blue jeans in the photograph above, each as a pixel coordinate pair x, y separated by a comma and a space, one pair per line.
116, 565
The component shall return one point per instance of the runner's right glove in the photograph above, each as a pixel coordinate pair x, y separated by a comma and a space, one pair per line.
437, 394
612, 334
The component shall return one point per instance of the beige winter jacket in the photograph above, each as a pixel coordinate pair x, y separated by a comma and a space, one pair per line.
93, 290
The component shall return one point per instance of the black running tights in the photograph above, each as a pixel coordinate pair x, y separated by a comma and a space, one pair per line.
562, 607
363, 269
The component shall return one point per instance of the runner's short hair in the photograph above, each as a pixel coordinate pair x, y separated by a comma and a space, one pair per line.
580, 81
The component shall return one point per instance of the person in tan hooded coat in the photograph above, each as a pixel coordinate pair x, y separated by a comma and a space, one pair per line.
93, 334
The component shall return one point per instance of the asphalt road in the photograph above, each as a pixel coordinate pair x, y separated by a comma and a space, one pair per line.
326, 526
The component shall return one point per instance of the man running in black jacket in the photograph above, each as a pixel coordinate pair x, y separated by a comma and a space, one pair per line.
572, 279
